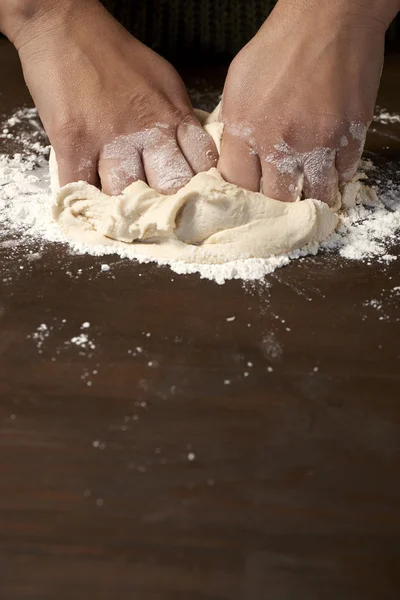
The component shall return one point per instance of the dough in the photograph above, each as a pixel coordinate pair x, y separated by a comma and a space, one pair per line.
207, 221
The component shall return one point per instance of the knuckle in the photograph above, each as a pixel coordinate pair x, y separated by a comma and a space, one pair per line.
68, 135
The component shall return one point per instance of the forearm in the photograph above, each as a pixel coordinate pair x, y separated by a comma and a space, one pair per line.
379, 13
21, 19
382, 9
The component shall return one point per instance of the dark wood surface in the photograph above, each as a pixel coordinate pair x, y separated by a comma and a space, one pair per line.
166, 482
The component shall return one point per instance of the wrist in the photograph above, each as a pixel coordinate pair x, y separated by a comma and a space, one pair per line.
23, 20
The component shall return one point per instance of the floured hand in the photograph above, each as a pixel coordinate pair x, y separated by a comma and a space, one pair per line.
114, 110
299, 98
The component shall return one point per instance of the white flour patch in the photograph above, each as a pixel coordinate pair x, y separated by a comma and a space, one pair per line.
384, 116
82, 341
366, 232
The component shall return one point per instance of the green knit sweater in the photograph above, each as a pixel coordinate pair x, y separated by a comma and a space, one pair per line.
202, 27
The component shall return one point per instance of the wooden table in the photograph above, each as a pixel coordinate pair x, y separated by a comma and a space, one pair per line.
247, 459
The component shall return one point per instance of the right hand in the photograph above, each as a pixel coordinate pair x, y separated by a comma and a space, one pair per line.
299, 97
114, 110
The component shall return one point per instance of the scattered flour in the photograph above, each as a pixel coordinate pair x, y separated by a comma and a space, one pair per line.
381, 306
40, 336
82, 341
384, 116
365, 232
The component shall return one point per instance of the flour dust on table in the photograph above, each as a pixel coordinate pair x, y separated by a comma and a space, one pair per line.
210, 227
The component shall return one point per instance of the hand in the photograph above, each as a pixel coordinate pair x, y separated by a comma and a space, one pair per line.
299, 98
114, 110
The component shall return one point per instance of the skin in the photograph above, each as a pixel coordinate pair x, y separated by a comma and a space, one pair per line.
297, 102
115, 112
300, 96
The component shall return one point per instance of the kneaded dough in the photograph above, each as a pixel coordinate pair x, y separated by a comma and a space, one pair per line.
207, 221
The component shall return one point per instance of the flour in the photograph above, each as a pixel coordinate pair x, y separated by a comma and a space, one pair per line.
160, 153
82, 341
358, 131
311, 166
366, 232
388, 298
40, 336
384, 116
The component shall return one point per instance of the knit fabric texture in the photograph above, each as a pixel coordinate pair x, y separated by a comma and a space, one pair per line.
202, 27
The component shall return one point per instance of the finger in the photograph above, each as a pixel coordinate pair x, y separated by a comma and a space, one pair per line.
239, 162
73, 166
321, 180
282, 182
196, 145
347, 161
166, 169
117, 174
